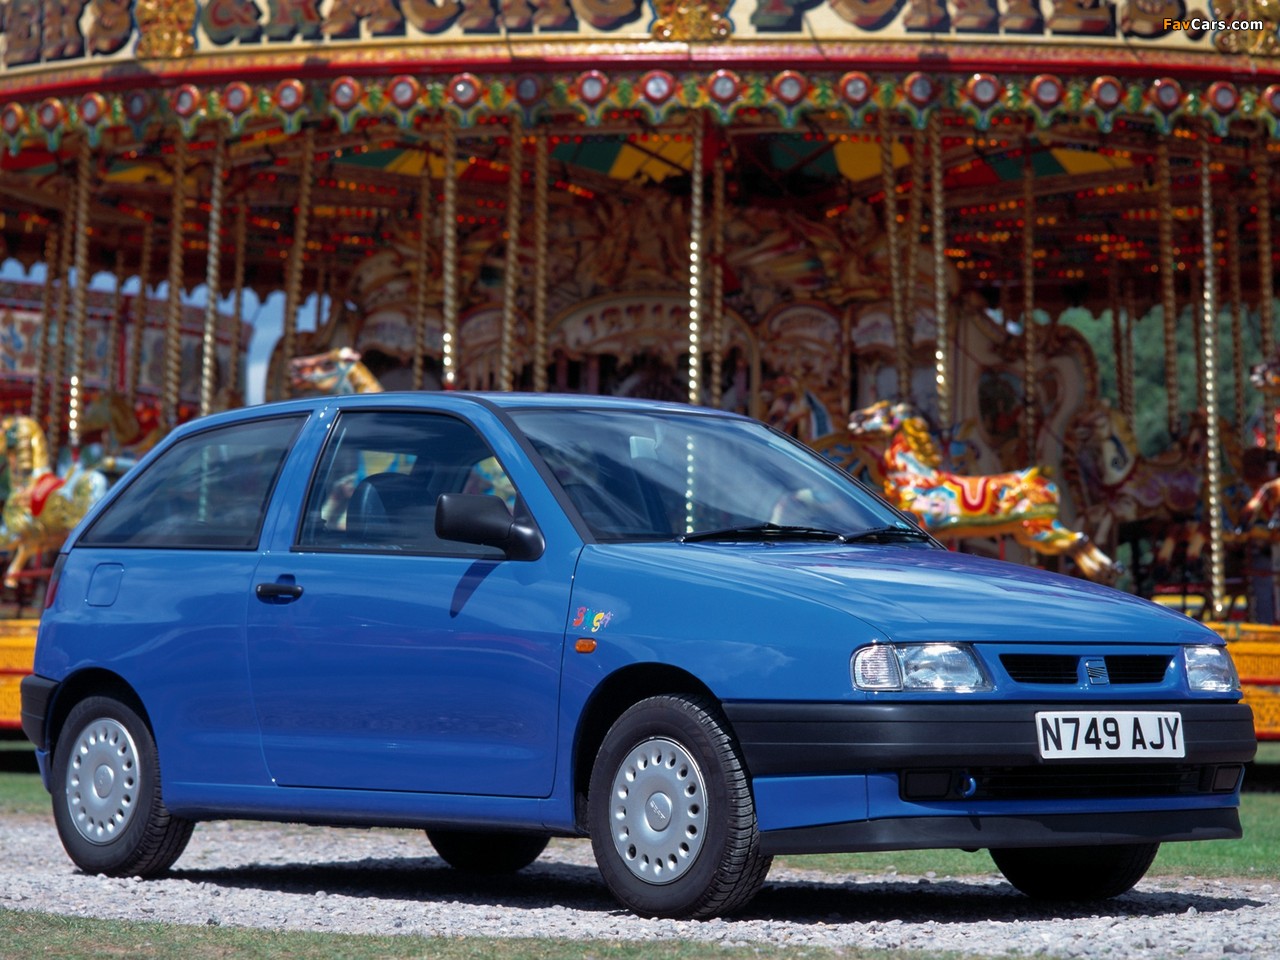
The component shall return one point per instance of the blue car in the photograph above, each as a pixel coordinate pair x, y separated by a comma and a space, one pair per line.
503, 618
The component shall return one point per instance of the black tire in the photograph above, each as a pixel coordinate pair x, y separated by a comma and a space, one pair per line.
107, 804
487, 851
672, 818
1076, 873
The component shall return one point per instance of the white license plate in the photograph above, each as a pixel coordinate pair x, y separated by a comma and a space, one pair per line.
1093, 734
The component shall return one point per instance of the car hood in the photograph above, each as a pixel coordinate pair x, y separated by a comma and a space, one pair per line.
909, 593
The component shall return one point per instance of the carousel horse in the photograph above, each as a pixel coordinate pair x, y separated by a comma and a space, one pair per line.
42, 506
1115, 484
1020, 503
122, 430
335, 372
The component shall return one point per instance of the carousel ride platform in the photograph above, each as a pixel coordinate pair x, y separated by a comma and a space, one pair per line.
17, 647
1255, 648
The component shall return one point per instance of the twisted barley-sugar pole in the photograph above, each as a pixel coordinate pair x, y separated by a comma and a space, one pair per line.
51, 246
942, 352
111, 360
449, 230
1029, 339
511, 268
213, 279
237, 312
902, 348
541, 171
1266, 288
1117, 335
173, 330
79, 297
1236, 292
695, 261
297, 254
1209, 345
422, 265
136, 338
58, 361
1168, 301
718, 334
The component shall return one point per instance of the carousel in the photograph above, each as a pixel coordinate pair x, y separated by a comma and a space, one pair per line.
1011, 262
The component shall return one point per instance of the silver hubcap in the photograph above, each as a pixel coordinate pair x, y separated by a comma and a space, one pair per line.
659, 813
102, 781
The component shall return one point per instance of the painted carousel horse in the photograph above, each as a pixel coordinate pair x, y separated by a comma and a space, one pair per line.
339, 371
123, 432
42, 506
1021, 503
1116, 484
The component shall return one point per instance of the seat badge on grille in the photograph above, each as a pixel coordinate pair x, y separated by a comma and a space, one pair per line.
1096, 671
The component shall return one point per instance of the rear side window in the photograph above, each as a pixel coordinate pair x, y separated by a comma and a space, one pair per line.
209, 490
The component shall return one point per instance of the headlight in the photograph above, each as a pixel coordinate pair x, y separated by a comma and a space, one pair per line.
945, 667
1210, 670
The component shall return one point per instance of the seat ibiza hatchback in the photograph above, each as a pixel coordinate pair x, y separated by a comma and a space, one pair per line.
675, 631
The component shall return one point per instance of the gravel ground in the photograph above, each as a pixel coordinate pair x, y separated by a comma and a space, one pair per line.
390, 882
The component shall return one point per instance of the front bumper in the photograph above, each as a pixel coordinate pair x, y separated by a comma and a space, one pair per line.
910, 775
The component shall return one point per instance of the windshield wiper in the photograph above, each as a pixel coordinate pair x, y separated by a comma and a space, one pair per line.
888, 535
763, 531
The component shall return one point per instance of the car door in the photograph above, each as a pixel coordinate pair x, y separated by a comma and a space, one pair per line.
383, 658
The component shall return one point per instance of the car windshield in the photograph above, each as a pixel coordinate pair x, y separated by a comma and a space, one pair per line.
670, 475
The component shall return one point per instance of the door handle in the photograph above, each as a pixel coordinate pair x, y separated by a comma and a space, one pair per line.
283, 592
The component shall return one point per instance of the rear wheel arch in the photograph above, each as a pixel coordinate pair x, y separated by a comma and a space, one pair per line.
617, 693
91, 683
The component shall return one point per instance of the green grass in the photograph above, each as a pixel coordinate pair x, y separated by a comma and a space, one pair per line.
33, 935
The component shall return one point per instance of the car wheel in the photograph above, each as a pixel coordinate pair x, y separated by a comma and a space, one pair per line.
487, 851
107, 805
1075, 873
672, 818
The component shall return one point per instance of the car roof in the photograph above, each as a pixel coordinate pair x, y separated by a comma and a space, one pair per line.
454, 399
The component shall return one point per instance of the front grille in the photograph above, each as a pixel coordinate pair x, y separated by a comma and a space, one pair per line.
1137, 668
1075, 781
1041, 667
1062, 668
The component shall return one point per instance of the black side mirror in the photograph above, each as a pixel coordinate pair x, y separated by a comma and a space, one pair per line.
485, 519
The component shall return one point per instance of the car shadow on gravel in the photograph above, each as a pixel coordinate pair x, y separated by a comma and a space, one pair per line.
803, 901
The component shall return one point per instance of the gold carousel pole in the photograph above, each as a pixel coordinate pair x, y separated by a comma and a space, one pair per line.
173, 332
942, 354
423, 265
1266, 289
140, 314
111, 362
541, 163
695, 261
1117, 336
1236, 288
1029, 338
449, 227
902, 349
910, 239
511, 269
79, 298
1209, 334
297, 253
1130, 329
1168, 300
717, 335
38, 385
237, 312
58, 359
213, 278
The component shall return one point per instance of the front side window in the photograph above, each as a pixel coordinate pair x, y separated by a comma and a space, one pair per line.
376, 486
209, 490
658, 476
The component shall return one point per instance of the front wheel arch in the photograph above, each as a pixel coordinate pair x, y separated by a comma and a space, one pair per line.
614, 696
